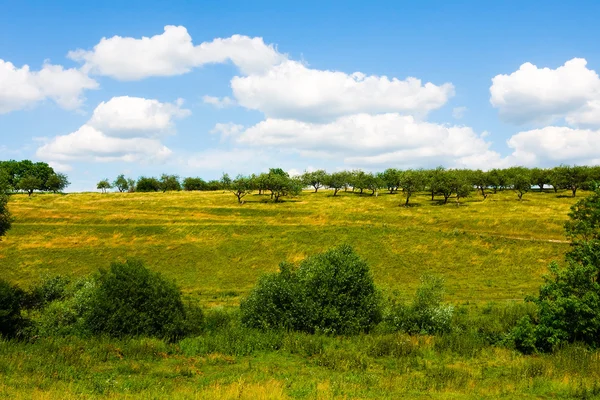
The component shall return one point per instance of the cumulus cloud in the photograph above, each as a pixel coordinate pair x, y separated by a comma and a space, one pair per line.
173, 53
290, 90
375, 140
219, 102
554, 145
544, 95
227, 129
22, 88
122, 129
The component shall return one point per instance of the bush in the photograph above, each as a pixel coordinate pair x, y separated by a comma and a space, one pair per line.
130, 300
11, 300
426, 314
50, 288
332, 292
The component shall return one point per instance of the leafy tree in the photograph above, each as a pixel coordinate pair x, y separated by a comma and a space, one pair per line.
11, 300
461, 184
359, 180
436, 182
571, 178
121, 183
240, 187
30, 183
481, 181
411, 182
280, 184
131, 185
145, 184
57, 182
225, 181
194, 184
5, 216
540, 177
520, 180
332, 292
169, 183
104, 185
130, 300
316, 179
336, 181
391, 179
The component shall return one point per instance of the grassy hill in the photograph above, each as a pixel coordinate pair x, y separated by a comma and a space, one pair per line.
495, 249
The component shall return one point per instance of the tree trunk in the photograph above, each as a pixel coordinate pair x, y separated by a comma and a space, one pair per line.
407, 197
432, 195
335, 190
574, 190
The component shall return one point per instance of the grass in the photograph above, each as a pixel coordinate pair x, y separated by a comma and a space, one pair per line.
491, 253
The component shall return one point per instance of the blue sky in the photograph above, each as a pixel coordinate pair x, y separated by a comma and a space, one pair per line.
303, 85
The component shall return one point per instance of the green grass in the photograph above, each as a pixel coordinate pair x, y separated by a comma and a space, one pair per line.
488, 251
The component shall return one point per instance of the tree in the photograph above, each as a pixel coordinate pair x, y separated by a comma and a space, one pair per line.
280, 184
29, 184
194, 184
103, 185
316, 179
131, 186
5, 216
436, 182
391, 179
57, 182
145, 184
520, 180
461, 184
121, 183
481, 181
359, 180
571, 178
336, 181
240, 187
11, 300
411, 182
540, 177
225, 181
169, 183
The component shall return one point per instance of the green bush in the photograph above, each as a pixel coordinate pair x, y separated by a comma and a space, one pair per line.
332, 292
426, 314
11, 300
130, 300
50, 288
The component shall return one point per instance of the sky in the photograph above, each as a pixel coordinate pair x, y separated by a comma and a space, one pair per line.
191, 88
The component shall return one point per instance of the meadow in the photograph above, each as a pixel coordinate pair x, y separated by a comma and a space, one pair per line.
491, 253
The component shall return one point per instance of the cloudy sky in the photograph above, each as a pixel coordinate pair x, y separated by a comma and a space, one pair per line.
202, 88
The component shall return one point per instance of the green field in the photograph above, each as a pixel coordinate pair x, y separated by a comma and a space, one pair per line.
488, 251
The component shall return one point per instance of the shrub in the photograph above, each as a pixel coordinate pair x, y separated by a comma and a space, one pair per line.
426, 314
50, 288
332, 292
130, 300
11, 299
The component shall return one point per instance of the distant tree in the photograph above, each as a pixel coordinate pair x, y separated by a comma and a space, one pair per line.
11, 301
169, 183
104, 185
540, 177
391, 179
57, 182
131, 186
5, 216
214, 185
29, 184
373, 182
411, 182
461, 184
145, 184
316, 179
481, 181
280, 184
359, 180
436, 182
194, 184
121, 183
225, 181
571, 178
336, 181
5, 186
520, 182
240, 187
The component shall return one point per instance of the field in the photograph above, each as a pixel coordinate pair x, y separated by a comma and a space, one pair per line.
491, 253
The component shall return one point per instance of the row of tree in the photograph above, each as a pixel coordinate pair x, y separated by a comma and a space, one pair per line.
28, 177
440, 182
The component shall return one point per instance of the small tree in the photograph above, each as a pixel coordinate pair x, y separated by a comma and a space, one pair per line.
103, 185
316, 179
11, 300
131, 185
30, 183
336, 181
411, 182
391, 179
240, 187
521, 184
145, 184
169, 183
57, 182
225, 181
194, 184
5, 216
121, 183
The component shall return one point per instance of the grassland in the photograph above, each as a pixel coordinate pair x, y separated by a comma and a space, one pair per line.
488, 251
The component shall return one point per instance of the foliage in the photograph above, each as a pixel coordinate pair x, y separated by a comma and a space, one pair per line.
130, 300
317, 179
121, 183
331, 292
29, 183
11, 300
426, 314
240, 187
49, 289
194, 184
411, 182
336, 181
104, 185
169, 183
145, 184
57, 182
5, 215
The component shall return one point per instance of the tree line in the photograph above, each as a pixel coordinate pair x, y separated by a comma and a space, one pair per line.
28, 177
439, 182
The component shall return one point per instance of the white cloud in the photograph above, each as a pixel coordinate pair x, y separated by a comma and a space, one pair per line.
290, 90
377, 140
126, 116
226, 130
219, 102
22, 88
173, 53
459, 112
554, 145
122, 129
543, 95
